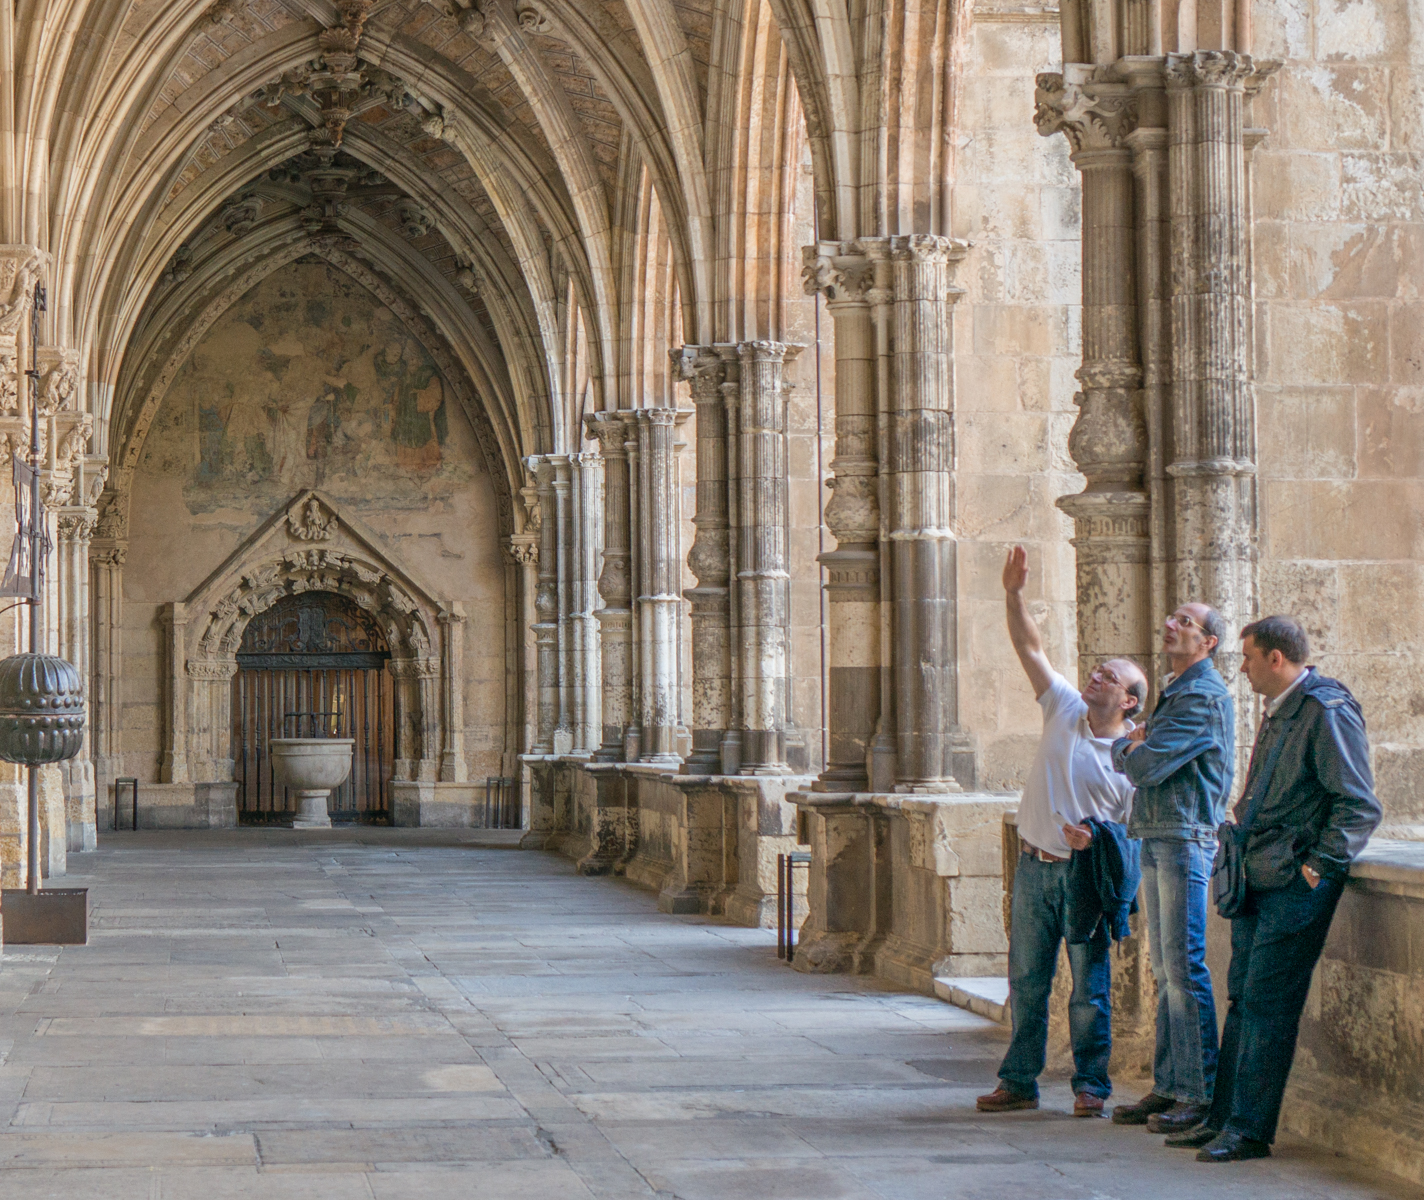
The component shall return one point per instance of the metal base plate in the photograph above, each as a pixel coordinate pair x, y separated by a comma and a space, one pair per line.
53, 917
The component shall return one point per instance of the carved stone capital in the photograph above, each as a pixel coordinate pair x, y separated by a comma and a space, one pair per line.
702, 367
20, 267
840, 271
609, 428
212, 670
768, 352
1225, 69
108, 555
59, 370
927, 248
1092, 115
525, 553
76, 525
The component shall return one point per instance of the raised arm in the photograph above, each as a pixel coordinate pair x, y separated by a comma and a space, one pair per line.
1023, 633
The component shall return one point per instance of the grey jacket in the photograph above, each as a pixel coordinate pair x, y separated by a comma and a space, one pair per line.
1183, 771
1310, 773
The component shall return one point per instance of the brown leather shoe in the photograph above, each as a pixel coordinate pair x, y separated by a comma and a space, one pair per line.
1085, 1104
1003, 1100
1137, 1114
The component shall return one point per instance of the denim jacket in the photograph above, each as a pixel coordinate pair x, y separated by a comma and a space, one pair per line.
1183, 771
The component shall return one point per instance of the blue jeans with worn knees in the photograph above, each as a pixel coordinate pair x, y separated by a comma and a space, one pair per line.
1038, 923
1175, 874
1274, 949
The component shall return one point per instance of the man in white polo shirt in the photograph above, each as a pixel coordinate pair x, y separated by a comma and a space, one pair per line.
1072, 779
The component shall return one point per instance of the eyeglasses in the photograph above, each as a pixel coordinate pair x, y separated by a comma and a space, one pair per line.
1107, 676
1186, 621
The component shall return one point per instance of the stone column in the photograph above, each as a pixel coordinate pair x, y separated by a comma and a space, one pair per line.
637, 522
615, 618
1213, 459
763, 579
563, 564
918, 460
842, 273
660, 599
452, 635
704, 369
106, 560
546, 608
1109, 439
173, 766
75, 527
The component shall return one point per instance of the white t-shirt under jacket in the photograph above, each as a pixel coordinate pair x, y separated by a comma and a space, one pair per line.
1072, 774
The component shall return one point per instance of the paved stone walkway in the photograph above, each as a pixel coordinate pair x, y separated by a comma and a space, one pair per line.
384, 1015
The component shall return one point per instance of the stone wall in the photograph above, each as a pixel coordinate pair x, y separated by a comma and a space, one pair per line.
308, 381
1016, 200
1340, 357
1358, 1083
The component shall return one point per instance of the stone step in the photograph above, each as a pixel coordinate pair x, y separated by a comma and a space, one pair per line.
986, 995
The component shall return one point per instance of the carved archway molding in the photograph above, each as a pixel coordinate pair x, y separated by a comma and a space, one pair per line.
310, 545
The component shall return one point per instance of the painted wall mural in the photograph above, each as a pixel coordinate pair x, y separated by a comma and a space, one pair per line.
309, 381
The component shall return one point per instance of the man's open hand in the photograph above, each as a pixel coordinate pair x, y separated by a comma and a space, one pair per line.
1080, 837
1016, 570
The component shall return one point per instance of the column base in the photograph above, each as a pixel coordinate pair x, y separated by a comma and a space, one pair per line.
83, 837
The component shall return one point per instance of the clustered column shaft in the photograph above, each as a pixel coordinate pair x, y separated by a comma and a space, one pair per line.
1109, 439
763, 580
709, 561
1165, 434
894, 701
546, 608
660, 576
615, 618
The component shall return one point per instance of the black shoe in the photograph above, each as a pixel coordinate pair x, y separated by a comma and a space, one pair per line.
1233, 1147
1179, 1118
1191, 1139
1137, 1114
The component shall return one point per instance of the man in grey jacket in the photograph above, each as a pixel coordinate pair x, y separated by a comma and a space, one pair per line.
1311, 807
1181, 761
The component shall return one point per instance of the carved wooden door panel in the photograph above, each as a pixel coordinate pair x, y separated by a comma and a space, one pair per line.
313, 665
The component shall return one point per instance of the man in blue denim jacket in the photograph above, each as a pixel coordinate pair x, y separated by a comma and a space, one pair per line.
1182, 763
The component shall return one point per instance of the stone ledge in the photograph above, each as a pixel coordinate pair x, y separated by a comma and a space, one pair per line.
1391, 866
986, 996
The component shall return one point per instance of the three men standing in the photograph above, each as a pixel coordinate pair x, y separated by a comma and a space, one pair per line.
1071, 781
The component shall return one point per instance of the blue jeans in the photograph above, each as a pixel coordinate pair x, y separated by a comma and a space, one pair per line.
1274, 948
1175, 873
1038, 923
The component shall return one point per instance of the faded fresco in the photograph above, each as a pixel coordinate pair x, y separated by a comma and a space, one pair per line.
308, 381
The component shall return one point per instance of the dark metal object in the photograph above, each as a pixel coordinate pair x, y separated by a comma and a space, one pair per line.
786, 901
504, 808
118, 786
41, 709
317, 731
53, 917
